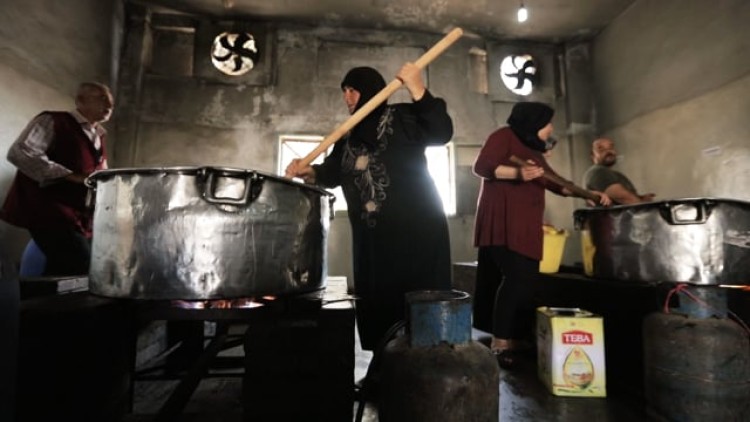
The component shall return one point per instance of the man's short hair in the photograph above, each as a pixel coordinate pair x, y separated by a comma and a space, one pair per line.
91, 88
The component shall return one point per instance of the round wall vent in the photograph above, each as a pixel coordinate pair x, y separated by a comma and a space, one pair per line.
518, 73
234, 53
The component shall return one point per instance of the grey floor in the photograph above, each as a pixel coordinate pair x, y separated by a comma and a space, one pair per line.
522, 398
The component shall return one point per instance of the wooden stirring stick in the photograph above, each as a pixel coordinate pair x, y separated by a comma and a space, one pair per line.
380, 97
578, 191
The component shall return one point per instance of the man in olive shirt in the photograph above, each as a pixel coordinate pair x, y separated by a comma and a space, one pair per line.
601, 177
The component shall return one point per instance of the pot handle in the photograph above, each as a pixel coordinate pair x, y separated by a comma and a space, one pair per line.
579, 219
331, 201
209, 186
680, 213
90, 184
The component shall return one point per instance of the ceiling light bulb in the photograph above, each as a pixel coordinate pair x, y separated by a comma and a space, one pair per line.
523, 14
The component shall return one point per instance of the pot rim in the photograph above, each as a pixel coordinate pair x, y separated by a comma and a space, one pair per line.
101, 175
666, 202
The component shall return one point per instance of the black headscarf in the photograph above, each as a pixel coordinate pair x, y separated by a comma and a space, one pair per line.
368, 82
526, 119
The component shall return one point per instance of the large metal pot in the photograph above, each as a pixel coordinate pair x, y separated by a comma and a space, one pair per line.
702, 241
206, 233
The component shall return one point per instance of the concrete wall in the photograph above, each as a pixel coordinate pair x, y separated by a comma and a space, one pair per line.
578, 97
169, 112
673, 91
170, 117
46, 48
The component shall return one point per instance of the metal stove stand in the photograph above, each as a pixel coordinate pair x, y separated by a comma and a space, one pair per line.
296, 349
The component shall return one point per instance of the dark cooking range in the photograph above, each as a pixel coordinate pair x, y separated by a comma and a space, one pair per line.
303, 342
84, 347
245, 250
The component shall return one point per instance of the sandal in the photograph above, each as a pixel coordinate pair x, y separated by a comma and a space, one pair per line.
505, 358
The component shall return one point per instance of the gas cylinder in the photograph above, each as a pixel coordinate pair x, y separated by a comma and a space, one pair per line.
695, 368
435, 372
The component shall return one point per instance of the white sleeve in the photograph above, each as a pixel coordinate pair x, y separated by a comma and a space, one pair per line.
29, 151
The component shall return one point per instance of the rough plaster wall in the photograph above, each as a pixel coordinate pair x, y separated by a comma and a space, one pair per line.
579, 132
662, 52
193, 121
673, 90
40, 70
706, 152
59, 43
238, 125
186, 122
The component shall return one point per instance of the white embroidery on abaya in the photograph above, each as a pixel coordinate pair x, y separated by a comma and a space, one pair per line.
360, 163
370, 175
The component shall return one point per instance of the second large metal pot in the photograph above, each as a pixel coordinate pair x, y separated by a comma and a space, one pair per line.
206, 233
701, 241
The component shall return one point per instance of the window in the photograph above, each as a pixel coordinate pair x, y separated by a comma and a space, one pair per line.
298, 146
439, 163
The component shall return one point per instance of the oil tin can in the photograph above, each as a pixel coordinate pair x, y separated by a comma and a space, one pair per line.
570, 352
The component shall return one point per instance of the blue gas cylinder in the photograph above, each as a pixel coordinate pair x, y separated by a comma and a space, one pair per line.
435, 372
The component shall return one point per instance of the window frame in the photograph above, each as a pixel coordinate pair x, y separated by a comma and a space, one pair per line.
449, 202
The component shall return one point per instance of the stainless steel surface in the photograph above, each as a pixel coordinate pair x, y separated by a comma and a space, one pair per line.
206, 233
704, 241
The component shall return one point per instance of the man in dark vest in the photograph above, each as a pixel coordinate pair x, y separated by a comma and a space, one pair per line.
54, 154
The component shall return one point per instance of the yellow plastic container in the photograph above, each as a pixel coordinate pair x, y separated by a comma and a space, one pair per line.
587, 251
554, 245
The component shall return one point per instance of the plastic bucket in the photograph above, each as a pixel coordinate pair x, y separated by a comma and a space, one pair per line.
554, 245
587, 251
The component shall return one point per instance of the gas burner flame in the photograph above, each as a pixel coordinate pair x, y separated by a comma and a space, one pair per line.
241, 303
